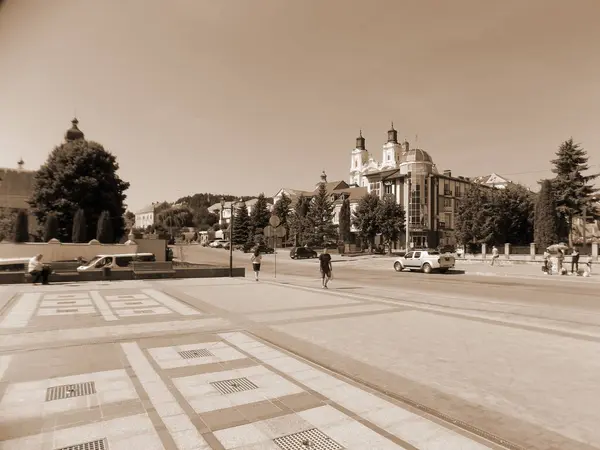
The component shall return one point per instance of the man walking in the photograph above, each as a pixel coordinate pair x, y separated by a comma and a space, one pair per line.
575, 261
326, 269
37, 270
495, 255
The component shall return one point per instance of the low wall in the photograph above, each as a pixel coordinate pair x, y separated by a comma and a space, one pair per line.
57, 251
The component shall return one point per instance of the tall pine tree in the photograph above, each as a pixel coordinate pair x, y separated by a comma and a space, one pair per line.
242, 227
345, 223
259, 217
79, 235
21, 230
366, 219
281, 209
320, 218
572, 188
546, 223
104, 232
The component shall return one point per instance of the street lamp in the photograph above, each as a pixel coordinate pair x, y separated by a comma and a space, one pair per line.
233, 206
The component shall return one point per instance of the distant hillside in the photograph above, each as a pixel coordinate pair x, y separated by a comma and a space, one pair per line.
204, 200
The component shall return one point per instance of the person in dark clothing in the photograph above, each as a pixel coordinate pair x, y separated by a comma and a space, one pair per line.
326, 269
575, 261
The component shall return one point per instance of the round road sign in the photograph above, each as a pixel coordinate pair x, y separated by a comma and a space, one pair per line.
274, 221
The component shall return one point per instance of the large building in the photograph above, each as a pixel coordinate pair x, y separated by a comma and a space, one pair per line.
430, 198
16, 187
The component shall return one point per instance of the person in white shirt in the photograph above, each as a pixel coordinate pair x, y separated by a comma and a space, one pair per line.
495, 255
37, 270
256, 260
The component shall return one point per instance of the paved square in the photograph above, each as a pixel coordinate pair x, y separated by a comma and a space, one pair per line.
194, 354
204, 393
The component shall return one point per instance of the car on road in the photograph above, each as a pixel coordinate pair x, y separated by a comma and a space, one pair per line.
302, 253
219, 243
426, 261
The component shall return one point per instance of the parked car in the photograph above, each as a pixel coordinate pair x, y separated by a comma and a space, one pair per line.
426, 261
116, 261
219, 243
302, 253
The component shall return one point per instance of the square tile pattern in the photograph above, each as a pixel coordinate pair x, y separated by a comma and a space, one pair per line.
194, 354
323, 428
60, 395
221, 390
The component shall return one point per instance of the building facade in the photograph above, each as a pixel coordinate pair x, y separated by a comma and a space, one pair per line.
146, 217
16, 188
224, 213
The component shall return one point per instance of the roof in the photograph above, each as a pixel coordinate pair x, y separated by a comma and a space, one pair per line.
492, 178
415, 155
354, 194
147, 209
331, 186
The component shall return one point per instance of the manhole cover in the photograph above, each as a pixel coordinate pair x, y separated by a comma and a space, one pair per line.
70, 390
312, 439
235, 385
199, 353
99, 444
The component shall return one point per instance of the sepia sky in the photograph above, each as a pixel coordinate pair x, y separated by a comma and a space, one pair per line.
244, 96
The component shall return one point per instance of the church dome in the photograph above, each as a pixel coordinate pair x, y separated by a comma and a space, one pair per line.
74, 132
416, 155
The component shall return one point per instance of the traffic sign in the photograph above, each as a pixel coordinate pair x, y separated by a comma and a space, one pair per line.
274, 221
269, 231
280, 232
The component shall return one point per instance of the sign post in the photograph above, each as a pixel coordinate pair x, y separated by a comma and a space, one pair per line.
274, 230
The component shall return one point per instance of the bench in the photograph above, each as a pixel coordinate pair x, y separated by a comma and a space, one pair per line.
153, 267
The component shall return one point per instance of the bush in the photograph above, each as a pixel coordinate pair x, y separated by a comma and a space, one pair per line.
79, 234
50, 228
21, 233
104, 232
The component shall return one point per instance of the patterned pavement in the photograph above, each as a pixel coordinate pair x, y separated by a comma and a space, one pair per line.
179, 365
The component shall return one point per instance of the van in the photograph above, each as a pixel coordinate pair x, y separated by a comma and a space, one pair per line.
115, 262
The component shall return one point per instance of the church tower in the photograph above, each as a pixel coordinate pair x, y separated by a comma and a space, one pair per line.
392, 150
360, 157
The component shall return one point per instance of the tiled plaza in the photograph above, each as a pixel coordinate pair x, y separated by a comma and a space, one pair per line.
180, 366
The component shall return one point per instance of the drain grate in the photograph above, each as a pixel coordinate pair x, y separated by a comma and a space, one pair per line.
234, 385
99, 444
70, 390
312, 439
199, 353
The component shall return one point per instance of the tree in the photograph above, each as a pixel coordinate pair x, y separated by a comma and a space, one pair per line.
390, 220
21, 231
242, 227
298, 220
572, 189
281, 209
104, 232
476, 216
546, 217
8, 218
345, 221
320, 218
259, 218
79, 174
80, 231
129, 219
175, 217
366, 219
50, 228
514, 213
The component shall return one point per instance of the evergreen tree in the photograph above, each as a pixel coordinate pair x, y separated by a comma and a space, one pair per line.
546, 217
299, 221
259, 218
281, 209
79, 235
50, 228
242, 227
390, 220
104, 233
366, 219
572, 189
345, 221
320, 218
21, 230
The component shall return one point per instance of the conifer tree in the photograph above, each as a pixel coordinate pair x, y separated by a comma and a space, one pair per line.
21, 231
259, 218
345, 221
366, 220
79, 235
320, 218
104, 232
546, 223
242, 228
50, 227
298, 220
281, 209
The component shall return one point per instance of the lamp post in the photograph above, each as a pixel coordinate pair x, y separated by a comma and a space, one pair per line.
232, 208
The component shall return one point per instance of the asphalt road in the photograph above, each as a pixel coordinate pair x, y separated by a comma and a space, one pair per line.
551, 291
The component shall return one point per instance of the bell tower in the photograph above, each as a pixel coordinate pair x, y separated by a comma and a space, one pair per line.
358, 161
392, 150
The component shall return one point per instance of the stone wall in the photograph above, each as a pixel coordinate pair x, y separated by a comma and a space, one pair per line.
57, 251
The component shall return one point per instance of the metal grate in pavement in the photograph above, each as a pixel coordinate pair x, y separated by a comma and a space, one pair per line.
99, 444
312, 439
198, 353
70, 390
234, 385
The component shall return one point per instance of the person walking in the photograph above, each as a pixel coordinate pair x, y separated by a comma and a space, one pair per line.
256, 260
546, 268
560, 258
575, 261
37, 270
495, 255
326, 269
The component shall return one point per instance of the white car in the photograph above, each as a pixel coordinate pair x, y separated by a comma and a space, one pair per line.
219, 243
426, 261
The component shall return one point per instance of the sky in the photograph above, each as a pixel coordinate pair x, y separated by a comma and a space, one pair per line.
248, 96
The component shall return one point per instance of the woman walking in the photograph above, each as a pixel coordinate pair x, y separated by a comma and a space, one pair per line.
256, 260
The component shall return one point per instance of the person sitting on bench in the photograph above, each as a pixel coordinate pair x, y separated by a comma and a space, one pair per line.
38, 270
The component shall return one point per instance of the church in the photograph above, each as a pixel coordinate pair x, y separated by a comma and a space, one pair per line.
430, 199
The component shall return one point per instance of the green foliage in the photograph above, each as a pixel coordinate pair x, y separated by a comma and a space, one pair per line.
281, 209
259, 218
572, 189
298, 220
21, 233
50, 228
129, 219
199, 204
174, 218
546, 217
320, 218
475, 216
79, 174
104, 232
8, 218
242, 227
390, 220
80, 230
366, 219
345, 221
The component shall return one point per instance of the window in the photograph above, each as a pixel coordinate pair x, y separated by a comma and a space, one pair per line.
447, 189
123, 261
447, 202
388, 189
415, 206
375, 188
409, 255
448, 220
417, 255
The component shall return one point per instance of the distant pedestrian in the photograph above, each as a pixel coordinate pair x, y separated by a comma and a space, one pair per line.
546, 268
495, 254
575, 261
560, 258
256, 260
326, 269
